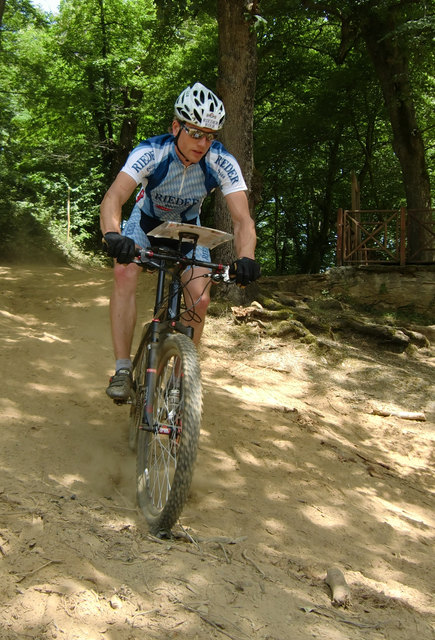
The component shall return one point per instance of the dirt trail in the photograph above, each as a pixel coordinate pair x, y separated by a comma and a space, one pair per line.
294, 476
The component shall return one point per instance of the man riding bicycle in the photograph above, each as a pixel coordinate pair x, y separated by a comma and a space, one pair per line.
175, 172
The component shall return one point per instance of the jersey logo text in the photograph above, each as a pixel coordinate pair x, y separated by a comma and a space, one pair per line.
143, 161
228, 167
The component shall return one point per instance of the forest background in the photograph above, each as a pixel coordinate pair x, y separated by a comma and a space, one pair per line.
79, 88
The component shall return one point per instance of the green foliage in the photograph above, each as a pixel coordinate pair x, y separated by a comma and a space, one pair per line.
79, 90
319, 117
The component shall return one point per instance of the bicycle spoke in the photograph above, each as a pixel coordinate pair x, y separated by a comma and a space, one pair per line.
162, 457
166, 453
162, 461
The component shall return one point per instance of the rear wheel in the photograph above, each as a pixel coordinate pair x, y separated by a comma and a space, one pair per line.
167, 451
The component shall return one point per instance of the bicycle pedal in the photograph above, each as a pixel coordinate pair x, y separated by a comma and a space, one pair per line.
120, 401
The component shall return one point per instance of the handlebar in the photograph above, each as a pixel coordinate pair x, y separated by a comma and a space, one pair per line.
218, 272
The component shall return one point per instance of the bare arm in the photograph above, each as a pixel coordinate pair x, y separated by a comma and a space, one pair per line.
111, 206
245, 237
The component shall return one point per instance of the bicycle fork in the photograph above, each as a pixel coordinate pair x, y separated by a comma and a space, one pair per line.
157, 332
152, 343
147, 423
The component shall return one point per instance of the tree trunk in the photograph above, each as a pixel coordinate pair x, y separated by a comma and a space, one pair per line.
391, 65
119, 152
114, 154
236, 87
2, 9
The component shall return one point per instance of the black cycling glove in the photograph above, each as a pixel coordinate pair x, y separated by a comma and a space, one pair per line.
119, 247
244, 271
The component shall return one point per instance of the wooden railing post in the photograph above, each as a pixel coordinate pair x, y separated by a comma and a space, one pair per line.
340, 238
402, 252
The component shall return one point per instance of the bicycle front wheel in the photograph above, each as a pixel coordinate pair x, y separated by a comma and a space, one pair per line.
166, 451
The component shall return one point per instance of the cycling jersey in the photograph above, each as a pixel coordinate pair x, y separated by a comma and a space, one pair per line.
172, 191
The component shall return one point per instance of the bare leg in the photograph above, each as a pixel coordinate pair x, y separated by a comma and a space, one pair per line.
196, 292
123, 308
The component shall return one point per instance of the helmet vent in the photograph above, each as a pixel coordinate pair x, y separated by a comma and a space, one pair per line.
200, 106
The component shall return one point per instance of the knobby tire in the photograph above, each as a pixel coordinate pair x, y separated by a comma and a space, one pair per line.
165, 462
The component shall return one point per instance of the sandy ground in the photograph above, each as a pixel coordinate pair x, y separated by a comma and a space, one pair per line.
294, 476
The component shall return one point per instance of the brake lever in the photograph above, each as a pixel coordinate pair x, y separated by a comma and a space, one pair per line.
142, 260
223, 276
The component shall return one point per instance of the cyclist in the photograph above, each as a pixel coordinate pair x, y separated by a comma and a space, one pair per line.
175, 172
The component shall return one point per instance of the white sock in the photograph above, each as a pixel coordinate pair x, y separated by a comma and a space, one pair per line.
123, 363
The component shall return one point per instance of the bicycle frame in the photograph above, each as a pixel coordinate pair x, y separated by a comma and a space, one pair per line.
167, 313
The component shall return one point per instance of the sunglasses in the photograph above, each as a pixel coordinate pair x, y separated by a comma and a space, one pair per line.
196, 134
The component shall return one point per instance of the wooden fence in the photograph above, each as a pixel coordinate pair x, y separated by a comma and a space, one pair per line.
375, 236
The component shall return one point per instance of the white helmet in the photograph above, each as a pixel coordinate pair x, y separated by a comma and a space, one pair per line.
200, 106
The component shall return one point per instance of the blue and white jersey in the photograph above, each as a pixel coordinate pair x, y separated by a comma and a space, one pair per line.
171, 191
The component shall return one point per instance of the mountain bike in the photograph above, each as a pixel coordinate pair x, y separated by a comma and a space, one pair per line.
166, 409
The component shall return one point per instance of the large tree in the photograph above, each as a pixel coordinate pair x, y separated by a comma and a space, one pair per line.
111, 63
391, 62
236, 86
381, 25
